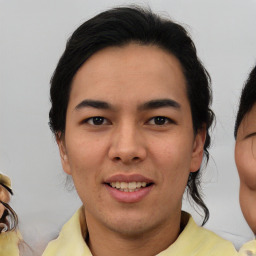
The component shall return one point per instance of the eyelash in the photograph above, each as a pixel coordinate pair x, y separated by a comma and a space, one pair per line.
161, 119
250, 135
158, 121
93, 120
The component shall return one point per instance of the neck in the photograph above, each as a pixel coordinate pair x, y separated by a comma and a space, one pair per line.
103, 241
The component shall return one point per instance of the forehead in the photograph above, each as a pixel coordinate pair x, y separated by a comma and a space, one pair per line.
130, 70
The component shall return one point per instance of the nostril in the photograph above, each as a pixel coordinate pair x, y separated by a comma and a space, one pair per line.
126, 159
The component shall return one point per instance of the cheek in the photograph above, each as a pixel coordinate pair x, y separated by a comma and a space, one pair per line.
86, 158
4, 195
85, 152
173, 152
173, 160
246, 165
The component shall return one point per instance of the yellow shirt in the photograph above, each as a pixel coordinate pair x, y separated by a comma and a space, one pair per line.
193, 241
248, 249
9, 243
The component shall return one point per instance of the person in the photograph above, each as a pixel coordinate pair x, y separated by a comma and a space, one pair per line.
245, 156
131, 115
9, 236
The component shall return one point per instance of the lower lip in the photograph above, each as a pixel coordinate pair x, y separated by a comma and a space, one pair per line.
129, 197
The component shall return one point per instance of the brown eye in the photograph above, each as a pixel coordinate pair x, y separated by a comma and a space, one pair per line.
250, 135
159, 120
96, 120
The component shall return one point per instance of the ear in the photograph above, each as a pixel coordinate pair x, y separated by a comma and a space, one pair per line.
60, 139
198, 149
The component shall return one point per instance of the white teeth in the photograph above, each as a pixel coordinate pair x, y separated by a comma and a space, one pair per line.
118, 185
124, 185
132, 185
128, 186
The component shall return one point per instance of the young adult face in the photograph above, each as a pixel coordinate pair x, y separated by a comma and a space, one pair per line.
245, 156
129, 124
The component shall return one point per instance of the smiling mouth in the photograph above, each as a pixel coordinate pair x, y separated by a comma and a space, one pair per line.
129, 186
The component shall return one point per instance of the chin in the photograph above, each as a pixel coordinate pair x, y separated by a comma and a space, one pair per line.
253, 227
131, 229
131, 226
251, 220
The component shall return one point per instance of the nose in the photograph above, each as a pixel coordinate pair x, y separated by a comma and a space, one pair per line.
127, 145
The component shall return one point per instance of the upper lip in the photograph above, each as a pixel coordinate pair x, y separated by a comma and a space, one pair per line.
128, 178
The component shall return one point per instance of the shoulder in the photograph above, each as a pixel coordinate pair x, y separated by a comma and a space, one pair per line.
248, 249
195, 240
70, 240
209, 242
9, 242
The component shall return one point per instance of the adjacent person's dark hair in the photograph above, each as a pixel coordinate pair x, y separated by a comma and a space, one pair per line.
247, 99
119, 27
9, 217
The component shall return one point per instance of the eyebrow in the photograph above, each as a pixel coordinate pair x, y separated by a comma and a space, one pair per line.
152, 104
93, 104
159, 103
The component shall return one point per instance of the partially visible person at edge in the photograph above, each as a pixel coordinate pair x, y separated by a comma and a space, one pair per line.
245, 156
9, 236
131, 113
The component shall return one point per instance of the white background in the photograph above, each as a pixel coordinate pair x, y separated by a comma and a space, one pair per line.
32, 38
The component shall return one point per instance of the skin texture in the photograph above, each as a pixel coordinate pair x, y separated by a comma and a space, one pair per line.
128, 142
245, 156
5, 197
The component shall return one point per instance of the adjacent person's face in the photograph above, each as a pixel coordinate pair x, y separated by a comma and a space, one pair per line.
129, 142
245, 155
4, 197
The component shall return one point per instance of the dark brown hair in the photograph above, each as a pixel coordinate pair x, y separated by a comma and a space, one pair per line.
9, 217
247, 99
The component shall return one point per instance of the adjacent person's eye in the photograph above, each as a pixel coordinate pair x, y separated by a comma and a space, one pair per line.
96, 120
160, 120
250, 135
